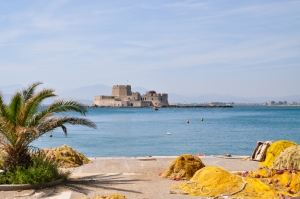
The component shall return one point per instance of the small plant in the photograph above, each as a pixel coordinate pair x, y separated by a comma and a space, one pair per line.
40, 171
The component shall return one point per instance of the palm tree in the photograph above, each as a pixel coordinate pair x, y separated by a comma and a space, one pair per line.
24, 120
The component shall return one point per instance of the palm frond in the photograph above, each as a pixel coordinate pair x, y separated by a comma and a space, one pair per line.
28, 92
1, 100
4, 112
57, 107
3, 129
65, 106
39, 118
25, 136
33, 104
55, 122
15, 107
8, 131
64, 129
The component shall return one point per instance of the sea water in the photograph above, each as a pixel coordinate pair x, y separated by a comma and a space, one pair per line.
146, 132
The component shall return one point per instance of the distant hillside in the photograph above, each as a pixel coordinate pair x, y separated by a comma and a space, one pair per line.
86, 95
86, 92
175, 98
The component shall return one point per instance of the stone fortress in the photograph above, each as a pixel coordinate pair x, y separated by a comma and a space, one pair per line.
123, 97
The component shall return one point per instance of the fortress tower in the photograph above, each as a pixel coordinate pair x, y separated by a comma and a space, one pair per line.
121, 91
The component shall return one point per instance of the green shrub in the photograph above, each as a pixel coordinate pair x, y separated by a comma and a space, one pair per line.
41, 171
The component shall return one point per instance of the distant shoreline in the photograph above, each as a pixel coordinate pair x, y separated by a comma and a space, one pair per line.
199, 106
172, 106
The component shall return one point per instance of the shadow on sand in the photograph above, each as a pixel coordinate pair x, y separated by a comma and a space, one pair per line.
86, 185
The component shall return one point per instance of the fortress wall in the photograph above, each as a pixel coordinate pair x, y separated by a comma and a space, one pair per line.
100, 97
105, 102
135, 96
120, 104
125, 98
146, 104
135, 103
140, 103
156, 100
111, 103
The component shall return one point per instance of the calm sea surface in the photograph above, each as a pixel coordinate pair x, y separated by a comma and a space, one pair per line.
143, 131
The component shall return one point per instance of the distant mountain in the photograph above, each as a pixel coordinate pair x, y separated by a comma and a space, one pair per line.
175, 98
86, 95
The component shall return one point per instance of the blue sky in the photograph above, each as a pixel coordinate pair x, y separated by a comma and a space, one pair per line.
240, 48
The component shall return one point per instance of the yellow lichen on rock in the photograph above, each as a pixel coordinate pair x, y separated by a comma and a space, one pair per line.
184, 167
288, 159
66, 157
274, 151
214, 181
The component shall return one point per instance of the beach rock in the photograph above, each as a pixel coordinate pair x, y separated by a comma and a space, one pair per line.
66, 157
183, 167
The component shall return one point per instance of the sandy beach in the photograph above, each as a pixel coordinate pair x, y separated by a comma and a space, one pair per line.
133, 177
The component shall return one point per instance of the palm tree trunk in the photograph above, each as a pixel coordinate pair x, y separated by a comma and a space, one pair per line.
17, 157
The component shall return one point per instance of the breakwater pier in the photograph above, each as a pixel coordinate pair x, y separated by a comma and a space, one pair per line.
200, 106
170, 106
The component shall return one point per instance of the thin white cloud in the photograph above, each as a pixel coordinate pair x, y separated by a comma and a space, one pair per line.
259, 10
187, 4
139, 43
9, 35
